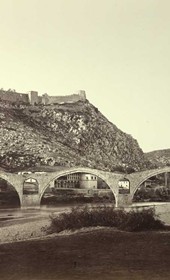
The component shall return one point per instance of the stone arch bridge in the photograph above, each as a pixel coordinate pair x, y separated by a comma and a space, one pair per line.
111, 179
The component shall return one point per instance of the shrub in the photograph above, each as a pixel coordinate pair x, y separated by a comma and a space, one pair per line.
141, 220
106, 216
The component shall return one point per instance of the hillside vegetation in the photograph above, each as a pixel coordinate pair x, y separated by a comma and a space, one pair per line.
159, 158
74, 134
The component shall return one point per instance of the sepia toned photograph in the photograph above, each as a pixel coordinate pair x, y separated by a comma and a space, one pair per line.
84, 140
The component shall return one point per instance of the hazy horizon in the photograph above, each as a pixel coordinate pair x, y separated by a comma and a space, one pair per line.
117, 51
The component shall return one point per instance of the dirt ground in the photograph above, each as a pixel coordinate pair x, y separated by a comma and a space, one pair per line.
101, 254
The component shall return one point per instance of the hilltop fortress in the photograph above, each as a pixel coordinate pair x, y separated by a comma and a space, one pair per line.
33, 98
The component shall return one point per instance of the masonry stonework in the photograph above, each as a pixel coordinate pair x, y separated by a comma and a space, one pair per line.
110, 178
33, 98
14, 97
46, 99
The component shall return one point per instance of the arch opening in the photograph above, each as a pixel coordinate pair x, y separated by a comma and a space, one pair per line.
76, 189
9, 197
156, 188
30, 186
124, 186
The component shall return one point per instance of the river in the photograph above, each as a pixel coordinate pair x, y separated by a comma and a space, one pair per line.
17, 215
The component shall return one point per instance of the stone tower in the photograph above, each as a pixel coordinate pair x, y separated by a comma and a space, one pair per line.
33, 96
82, 94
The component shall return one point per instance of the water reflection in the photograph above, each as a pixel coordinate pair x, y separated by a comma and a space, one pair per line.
16, 214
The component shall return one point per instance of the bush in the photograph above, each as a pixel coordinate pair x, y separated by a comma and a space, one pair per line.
107, 216
141, 220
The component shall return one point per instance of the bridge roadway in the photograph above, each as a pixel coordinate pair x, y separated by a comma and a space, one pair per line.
112, 179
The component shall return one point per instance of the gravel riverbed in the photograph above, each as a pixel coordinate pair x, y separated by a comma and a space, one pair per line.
23, 231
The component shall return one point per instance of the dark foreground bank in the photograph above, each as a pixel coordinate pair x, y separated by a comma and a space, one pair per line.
101, 254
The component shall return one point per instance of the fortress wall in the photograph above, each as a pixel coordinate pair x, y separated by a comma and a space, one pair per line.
65, 99
39, 99
33, 98
24, 97
14, 96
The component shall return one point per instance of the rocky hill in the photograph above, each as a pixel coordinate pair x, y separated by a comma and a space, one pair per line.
159, 158
73, 134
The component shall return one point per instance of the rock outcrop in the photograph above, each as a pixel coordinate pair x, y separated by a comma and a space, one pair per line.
74, 134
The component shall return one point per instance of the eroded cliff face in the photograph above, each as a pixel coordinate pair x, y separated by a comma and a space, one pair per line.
74, 134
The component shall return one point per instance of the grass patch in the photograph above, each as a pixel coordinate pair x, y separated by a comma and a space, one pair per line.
107, 216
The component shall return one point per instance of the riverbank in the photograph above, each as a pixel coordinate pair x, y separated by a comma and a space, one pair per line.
31, 228
27, 253
100, 254
29, 225
23, 230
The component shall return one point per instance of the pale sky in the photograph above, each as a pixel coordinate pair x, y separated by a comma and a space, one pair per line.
118, 51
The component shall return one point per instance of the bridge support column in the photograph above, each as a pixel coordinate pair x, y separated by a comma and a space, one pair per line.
30, 201
166, 179
124, 200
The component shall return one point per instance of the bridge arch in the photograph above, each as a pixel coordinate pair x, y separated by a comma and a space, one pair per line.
148, 174
95, 172
9, 180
